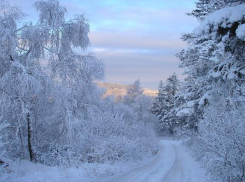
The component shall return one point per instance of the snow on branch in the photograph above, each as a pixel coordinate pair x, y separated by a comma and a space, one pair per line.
223, 18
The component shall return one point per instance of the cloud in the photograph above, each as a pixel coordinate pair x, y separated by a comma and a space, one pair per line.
134, 41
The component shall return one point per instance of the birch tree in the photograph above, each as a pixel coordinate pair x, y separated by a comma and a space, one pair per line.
23, 80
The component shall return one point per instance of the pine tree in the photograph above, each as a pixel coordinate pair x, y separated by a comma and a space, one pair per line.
164, 103
158, 102
213, 60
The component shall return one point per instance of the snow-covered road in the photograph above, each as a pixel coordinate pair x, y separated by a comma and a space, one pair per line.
172, 164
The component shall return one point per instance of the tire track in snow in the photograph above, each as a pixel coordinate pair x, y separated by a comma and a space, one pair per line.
139, 172
175, 174
172, 164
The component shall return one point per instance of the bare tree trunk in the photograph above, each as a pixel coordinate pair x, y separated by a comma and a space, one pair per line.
30, 147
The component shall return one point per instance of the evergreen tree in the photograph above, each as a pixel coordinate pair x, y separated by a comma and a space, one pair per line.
158, 103
164, 103
212, 61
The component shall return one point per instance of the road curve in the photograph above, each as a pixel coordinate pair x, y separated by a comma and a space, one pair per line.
172, 164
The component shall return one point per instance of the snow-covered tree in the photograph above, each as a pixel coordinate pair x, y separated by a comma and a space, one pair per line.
133, 92
205, 7
158, 103
139, 103
23, 80
164, 104
213, 59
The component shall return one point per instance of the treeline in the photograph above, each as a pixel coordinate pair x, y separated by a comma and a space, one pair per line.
209, 106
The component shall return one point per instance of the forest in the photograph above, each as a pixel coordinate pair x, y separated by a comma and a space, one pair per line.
54, 116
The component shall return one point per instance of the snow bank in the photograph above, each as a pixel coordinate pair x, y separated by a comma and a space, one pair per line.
222, 18
26, 171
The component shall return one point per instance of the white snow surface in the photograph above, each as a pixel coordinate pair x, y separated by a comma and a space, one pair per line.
223, 18
240, 32
206, 96
173, 163
184, 112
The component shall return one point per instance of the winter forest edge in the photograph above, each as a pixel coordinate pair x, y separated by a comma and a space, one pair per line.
52, 112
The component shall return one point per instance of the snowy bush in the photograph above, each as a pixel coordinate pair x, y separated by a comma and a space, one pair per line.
220, 143
115, 139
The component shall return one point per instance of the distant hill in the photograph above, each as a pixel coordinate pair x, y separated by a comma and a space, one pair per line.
119, 90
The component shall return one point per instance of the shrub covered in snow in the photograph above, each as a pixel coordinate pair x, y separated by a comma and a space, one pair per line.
221, 140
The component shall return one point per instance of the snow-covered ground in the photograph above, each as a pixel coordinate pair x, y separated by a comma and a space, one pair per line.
172, 164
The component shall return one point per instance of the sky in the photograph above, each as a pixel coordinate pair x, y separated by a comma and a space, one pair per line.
135, 39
